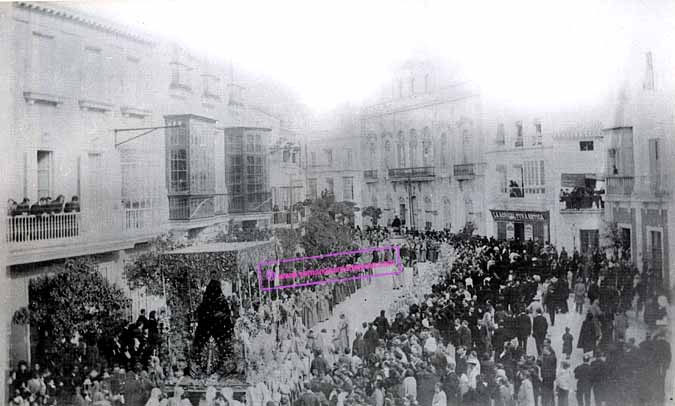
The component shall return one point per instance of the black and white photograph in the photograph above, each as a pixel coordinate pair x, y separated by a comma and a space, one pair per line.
337, 202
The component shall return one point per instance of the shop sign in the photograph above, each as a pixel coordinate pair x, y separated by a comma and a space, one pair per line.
509, 215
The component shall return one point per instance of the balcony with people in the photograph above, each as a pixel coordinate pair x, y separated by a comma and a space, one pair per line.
46, 219
581, 198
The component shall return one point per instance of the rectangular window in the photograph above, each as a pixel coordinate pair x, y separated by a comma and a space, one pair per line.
179, 172
211, 86
533, 177
45, 67
501, 176
313, 158
589, 240
181, 75
329, 185
311, 188
348, 158
500, 134
44, 178
538, 134
133, 81
426, 83
519, 134
286, 156
329, 156
586, 145
93, 80
348, 188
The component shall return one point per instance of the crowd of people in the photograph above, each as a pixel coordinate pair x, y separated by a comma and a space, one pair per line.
480, 335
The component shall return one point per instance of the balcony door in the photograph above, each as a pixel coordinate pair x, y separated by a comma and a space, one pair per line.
402, 213
589, 240
656, 252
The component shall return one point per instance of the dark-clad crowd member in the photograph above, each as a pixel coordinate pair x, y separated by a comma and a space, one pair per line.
524, 329
370, 339
662, 359
319, 363
584, 376
308, 398
548, 374
599, 378
588, 335
382, 325
539, 329
464, 336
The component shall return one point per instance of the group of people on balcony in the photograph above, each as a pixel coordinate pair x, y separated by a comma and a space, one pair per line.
45, 205
582, 198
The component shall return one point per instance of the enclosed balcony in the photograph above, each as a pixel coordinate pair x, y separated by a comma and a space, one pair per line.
370, 176
419, 174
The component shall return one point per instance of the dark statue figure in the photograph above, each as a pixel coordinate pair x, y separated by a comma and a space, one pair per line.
212, 344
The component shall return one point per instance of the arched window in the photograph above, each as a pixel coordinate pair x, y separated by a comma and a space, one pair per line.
413, 148
427, 153
388, 155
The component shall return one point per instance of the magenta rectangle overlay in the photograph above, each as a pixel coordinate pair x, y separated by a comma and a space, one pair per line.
397, 258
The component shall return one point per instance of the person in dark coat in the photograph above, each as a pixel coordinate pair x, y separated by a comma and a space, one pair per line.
588, 335
567, 339
370, 339
464, 337
539, 329
133, 390
523, 331
382, 325
548, 375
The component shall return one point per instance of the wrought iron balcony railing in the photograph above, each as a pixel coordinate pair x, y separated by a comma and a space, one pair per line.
412, 173
370, 175
464, 170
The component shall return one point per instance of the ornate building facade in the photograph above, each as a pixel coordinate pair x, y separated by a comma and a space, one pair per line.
423, 154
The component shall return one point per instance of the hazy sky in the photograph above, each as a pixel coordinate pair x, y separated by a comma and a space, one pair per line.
332, 52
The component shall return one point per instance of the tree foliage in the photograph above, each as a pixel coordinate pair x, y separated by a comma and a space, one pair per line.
77, 299
328, 227
375, 213
182, 280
